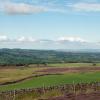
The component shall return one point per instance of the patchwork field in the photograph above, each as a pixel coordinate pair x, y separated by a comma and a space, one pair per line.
33, 76
52, 80
13, 73
52, 74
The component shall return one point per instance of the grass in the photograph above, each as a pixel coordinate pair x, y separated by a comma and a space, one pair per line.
38, 96
73, 65
12, 74
52, 80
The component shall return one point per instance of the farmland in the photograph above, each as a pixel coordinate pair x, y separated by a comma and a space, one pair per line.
27, 70
12, 73
34, 76
52, 80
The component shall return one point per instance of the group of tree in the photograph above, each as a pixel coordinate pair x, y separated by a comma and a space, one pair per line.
20, 57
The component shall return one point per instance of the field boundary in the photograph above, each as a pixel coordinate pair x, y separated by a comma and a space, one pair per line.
65, 89
30, 77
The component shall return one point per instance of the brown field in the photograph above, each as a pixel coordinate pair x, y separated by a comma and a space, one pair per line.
73, 69
11, 75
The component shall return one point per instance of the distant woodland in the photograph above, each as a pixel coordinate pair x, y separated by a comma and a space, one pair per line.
24, 57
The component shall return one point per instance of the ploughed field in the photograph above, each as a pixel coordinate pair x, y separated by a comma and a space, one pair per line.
38, 76
70, 70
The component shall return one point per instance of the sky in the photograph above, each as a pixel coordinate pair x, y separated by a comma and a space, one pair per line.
50, 24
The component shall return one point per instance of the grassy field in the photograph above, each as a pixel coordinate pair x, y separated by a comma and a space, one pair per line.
12, 73
52, 80
74, 65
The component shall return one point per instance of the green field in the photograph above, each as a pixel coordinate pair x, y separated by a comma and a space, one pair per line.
12, 73
51, 80
74, 65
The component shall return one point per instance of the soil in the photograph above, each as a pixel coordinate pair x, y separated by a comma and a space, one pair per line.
77, 69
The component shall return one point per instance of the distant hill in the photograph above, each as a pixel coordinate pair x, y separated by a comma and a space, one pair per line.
80, 50
24, 56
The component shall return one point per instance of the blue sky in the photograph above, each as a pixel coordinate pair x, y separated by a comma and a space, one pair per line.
50, 24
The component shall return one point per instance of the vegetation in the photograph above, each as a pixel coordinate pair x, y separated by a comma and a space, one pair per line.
51, 80
24, 57
37, 96
22, 69
13, 73
74, 65
62, 92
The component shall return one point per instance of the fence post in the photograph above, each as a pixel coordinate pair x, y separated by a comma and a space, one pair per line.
14, 95
43, 89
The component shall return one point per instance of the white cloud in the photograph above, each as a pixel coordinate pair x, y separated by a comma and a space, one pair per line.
62, 42
71, 39
30, 39
11, 7
40, 6
26, 39
94, 7
21, 8
91, 1
3, 38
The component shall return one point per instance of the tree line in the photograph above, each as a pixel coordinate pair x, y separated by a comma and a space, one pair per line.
20, 57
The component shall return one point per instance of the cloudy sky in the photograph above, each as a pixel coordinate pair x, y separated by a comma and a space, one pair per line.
50, 24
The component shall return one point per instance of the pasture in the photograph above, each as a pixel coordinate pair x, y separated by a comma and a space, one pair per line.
52, 80
74, 65
12, 73
56, 74
40, 76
